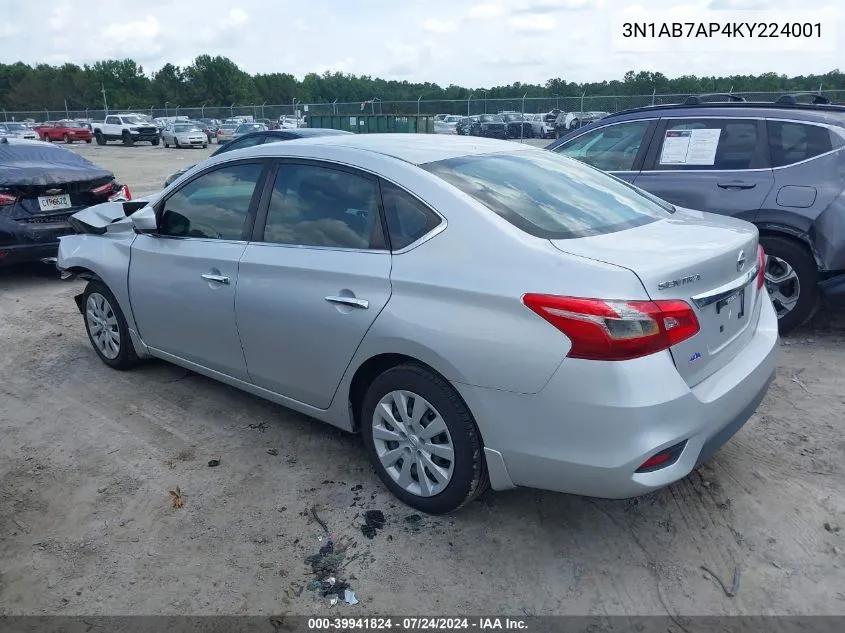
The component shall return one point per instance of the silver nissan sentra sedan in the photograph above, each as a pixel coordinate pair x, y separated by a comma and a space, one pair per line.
482, 312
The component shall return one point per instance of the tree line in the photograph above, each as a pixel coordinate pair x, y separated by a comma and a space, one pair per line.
218, 81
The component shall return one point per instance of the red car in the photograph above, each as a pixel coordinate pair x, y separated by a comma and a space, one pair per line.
67, 131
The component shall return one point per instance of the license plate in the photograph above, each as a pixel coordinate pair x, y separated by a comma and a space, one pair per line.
734, 305
54, 203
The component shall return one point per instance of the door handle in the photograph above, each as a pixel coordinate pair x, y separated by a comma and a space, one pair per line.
349, 301
737, 184
220, 279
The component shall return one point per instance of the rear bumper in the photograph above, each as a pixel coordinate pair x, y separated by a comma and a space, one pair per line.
594, 424
833, 290
24, 253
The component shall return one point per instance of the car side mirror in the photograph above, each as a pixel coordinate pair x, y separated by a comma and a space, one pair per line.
144, 220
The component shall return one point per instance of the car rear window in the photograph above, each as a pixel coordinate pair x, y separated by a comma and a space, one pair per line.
547, 195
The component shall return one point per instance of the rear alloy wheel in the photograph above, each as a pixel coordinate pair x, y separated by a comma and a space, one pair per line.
791, 278
422, 440
106, 327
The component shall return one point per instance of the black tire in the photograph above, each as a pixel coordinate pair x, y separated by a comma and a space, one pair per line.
126, 356
68, 139
46, 139
154, 141
799, 258
127, 139
469, 477
166, 144
101, 140
88, 140
205, 145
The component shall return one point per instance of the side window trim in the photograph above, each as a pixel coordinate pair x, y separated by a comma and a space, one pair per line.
761, 154
257, 194
642, 152
256, 235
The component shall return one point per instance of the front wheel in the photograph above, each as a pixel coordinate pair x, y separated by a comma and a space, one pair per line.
422, 440
154, 141
68, 139
792, 280
106, 326
127, 139
101, 140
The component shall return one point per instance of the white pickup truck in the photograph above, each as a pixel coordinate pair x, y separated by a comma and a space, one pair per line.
127, 128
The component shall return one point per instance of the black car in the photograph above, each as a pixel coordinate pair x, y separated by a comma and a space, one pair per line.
263, 136
517, 126
492, 126
469, 126
41, 186
778, 165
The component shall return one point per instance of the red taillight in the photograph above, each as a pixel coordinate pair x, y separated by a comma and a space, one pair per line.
761, 267
219, 132
103, 190
602, 329
121, 195
5, 199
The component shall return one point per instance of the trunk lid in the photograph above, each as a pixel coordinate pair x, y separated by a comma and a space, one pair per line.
58, 199
707, 260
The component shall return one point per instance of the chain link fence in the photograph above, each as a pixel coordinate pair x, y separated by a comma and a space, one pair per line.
475, 104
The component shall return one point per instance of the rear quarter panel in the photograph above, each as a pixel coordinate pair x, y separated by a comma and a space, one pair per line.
822, 223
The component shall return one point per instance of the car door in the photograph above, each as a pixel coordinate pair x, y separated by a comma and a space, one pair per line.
313, 280
183, 278
720, 165
618, 148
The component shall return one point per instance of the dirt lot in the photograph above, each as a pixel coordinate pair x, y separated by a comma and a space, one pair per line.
87, 456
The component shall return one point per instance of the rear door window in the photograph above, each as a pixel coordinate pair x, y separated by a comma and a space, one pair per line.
610, 148
711, 144
319, 206
791, 142
548, 196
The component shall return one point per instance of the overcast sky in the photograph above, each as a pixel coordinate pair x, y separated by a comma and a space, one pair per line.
467, 42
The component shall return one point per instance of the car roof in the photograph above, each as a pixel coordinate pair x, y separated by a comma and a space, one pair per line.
818, 113
416, 149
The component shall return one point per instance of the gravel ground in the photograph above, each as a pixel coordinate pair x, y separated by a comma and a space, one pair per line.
88, 455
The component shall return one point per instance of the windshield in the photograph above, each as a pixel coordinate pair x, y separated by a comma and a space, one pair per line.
249, 127
452, 119
16, 127
491, 118
547, 195
187, 128
132, 120
513, 117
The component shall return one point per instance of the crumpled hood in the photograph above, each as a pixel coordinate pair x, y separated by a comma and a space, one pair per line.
104, 215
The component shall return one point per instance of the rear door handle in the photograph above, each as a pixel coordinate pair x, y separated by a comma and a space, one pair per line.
737, 184
349, 301
220, 279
